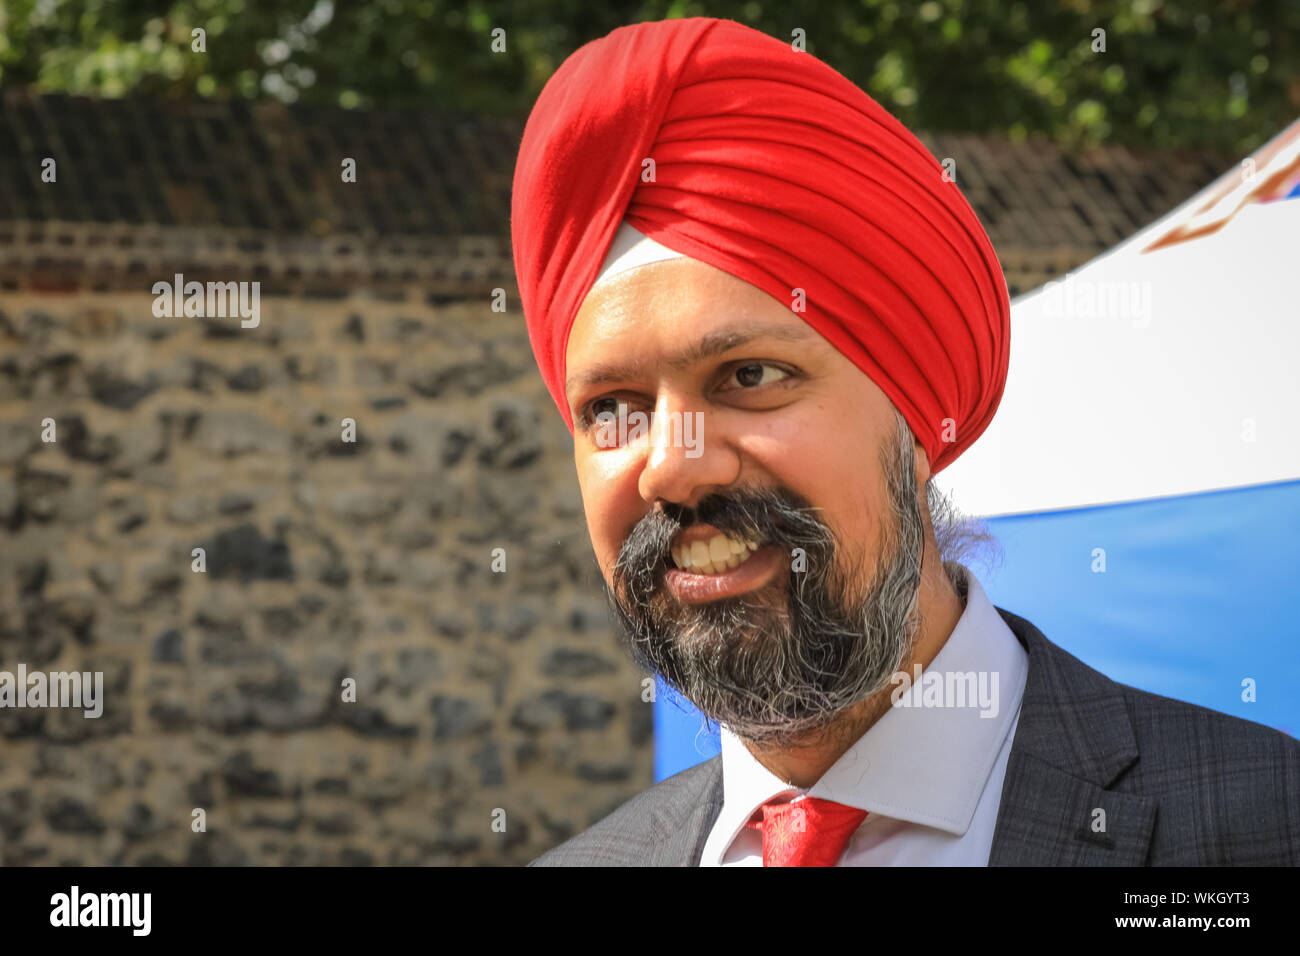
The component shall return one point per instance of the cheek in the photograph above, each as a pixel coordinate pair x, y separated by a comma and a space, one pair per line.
818, 453
835, 467
610, 502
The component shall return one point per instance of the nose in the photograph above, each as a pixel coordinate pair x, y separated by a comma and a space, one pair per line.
687, 458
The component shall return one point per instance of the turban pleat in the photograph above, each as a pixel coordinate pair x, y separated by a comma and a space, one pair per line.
773, 167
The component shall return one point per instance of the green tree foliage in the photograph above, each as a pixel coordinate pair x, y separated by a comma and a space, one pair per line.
1173, 72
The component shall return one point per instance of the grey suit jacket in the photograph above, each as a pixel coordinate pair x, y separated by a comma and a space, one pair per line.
1181, 785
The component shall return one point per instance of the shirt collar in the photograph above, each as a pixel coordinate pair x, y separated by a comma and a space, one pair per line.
923, 764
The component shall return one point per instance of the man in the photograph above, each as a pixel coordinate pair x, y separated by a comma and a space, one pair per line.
769, 319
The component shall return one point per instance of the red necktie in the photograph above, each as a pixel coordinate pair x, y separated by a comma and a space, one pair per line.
807, 832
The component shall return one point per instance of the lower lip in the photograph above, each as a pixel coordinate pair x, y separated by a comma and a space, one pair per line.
756, 571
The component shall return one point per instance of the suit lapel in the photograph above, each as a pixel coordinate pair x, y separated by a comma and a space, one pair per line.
1073, 741
681, 827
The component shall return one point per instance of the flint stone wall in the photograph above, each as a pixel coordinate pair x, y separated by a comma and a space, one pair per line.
482, 698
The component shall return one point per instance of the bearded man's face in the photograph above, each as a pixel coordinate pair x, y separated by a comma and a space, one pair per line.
760, 539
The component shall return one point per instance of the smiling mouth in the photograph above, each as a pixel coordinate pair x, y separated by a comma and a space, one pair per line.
712, 554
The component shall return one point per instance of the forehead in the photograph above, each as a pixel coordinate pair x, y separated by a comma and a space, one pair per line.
670, 304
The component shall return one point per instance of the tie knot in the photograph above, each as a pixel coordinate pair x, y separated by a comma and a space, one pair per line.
806, 832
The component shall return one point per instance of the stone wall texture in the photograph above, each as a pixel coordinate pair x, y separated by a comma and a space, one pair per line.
495, 713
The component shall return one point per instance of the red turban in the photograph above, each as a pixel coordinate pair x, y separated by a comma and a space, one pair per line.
773, 167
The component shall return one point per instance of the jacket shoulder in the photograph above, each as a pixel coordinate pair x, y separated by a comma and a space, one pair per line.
626, 837
1174, 734
1227, 788
1164, 724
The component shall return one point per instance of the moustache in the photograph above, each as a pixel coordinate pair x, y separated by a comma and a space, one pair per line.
772, 516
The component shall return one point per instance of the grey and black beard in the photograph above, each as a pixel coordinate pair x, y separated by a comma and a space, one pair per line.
777, 666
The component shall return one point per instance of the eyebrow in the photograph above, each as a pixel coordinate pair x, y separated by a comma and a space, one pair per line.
713, 344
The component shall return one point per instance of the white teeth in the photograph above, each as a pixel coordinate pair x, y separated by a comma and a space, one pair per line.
700, 554
720, 553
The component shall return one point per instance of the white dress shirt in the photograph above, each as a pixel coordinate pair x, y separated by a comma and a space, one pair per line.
930, 776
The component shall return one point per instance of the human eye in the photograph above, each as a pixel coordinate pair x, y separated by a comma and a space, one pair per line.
599, 410
613, 422
757, 374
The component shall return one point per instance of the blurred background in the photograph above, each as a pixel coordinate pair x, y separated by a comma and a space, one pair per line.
494, 713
